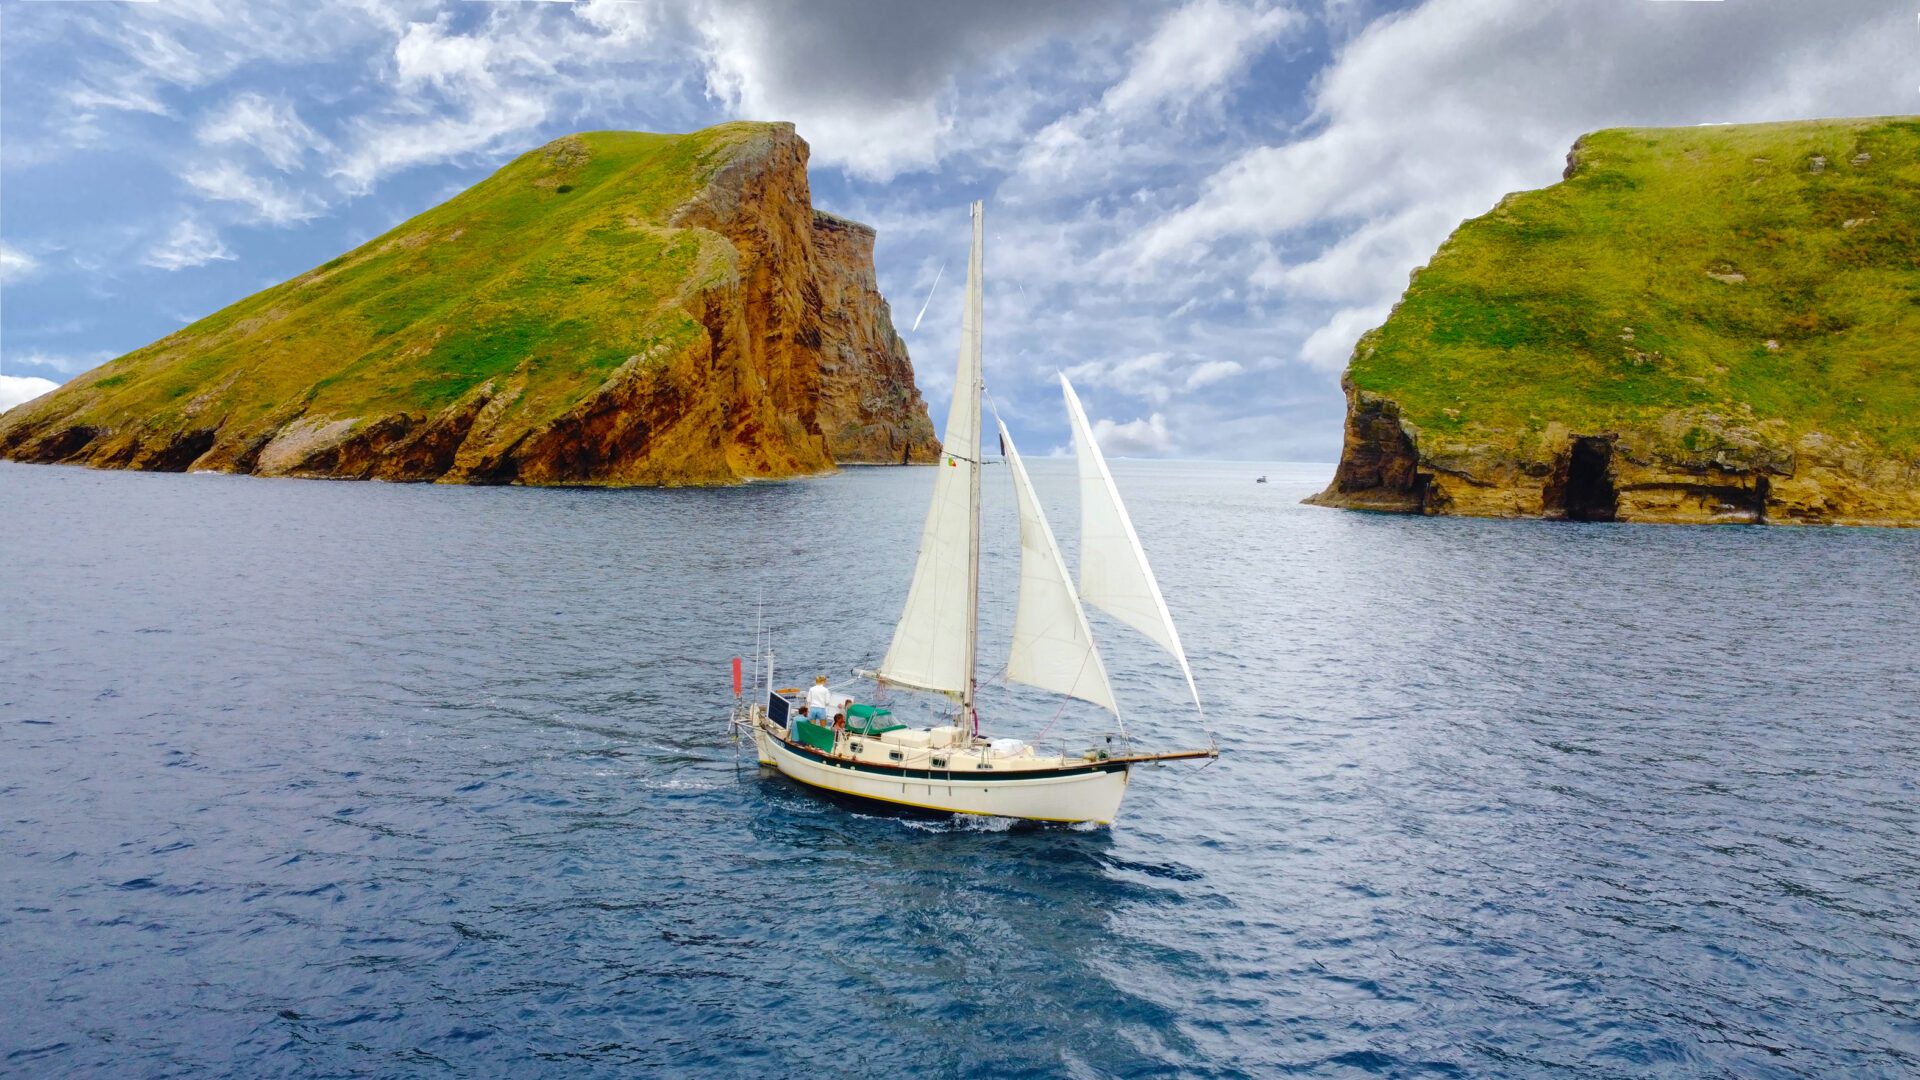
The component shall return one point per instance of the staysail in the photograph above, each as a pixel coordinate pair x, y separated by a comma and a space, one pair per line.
1114, 575
933, 647
1052, 644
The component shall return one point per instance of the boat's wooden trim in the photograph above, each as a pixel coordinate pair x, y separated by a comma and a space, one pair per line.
1169, 755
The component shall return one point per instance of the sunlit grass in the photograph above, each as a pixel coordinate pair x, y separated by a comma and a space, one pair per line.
560, 266
1775, 266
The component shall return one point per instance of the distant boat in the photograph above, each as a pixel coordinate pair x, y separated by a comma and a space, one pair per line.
1260, 480
860, 751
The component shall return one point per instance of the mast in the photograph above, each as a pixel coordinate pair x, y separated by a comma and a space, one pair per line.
970, 331
934, 645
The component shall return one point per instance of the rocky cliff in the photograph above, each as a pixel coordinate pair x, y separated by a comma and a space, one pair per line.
613, 308
1713, 324
870, 408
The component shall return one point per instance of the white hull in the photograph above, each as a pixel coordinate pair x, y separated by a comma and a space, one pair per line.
1080, 793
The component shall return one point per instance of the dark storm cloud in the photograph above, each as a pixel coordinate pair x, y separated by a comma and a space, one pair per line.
866, 52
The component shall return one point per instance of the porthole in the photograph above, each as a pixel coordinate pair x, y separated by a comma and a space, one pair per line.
939, 763
983, 765
856, 747
893, 755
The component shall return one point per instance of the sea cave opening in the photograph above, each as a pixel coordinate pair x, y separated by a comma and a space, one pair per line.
1589, 494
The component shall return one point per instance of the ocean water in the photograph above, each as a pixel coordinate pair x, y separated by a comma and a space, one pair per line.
327, 779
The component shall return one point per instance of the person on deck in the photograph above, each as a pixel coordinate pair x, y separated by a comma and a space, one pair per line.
819, 699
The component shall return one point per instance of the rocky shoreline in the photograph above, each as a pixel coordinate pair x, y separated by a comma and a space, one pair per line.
1735, 474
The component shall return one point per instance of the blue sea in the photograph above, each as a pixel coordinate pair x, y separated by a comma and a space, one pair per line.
316, 779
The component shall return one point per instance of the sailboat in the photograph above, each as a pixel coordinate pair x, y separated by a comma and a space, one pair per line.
859, 751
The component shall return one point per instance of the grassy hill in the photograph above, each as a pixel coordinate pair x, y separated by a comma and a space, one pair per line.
1721, 305
604, 256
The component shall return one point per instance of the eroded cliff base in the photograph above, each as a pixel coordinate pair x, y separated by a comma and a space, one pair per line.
1693, 468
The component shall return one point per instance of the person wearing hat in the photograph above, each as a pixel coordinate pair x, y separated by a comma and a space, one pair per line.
819, 698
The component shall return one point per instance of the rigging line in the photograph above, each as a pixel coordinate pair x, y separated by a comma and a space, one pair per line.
930, 288
1056, 717
1066, 698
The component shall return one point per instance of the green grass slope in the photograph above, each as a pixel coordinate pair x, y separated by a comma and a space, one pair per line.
1707, 324
612, 308
539, 263
1767, 272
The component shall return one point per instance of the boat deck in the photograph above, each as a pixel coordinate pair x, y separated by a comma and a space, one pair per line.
947, 753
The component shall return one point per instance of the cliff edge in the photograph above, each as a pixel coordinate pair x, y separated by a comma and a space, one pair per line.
1715, 324
612, 308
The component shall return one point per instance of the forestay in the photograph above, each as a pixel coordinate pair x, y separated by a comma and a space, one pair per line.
933, 647
1052, 644
1114, 575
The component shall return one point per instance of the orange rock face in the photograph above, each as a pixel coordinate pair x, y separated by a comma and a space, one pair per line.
870, 410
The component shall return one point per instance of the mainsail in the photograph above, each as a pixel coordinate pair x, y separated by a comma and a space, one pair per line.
933, 647
1052, 644
1114, 575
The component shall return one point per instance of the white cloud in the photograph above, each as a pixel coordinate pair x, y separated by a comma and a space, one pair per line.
1144, 376
63, 362
459, 94
1193, 57
1329, 347
1212, 372
427, 54
164, 56
1135, 438
231, 183
189, 244
86, 100
385, 148
1196, 50
1156, 377
18, 389
15, 265
152, 58
1371, 261
272, 127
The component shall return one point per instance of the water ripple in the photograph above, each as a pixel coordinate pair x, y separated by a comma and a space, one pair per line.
326, 779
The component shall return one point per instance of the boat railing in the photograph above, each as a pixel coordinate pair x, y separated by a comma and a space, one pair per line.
1098, 748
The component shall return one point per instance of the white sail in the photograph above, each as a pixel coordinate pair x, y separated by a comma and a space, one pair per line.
933, 647
1052, 644
1114, 575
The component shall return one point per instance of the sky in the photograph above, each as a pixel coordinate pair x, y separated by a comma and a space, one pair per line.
1193, 209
